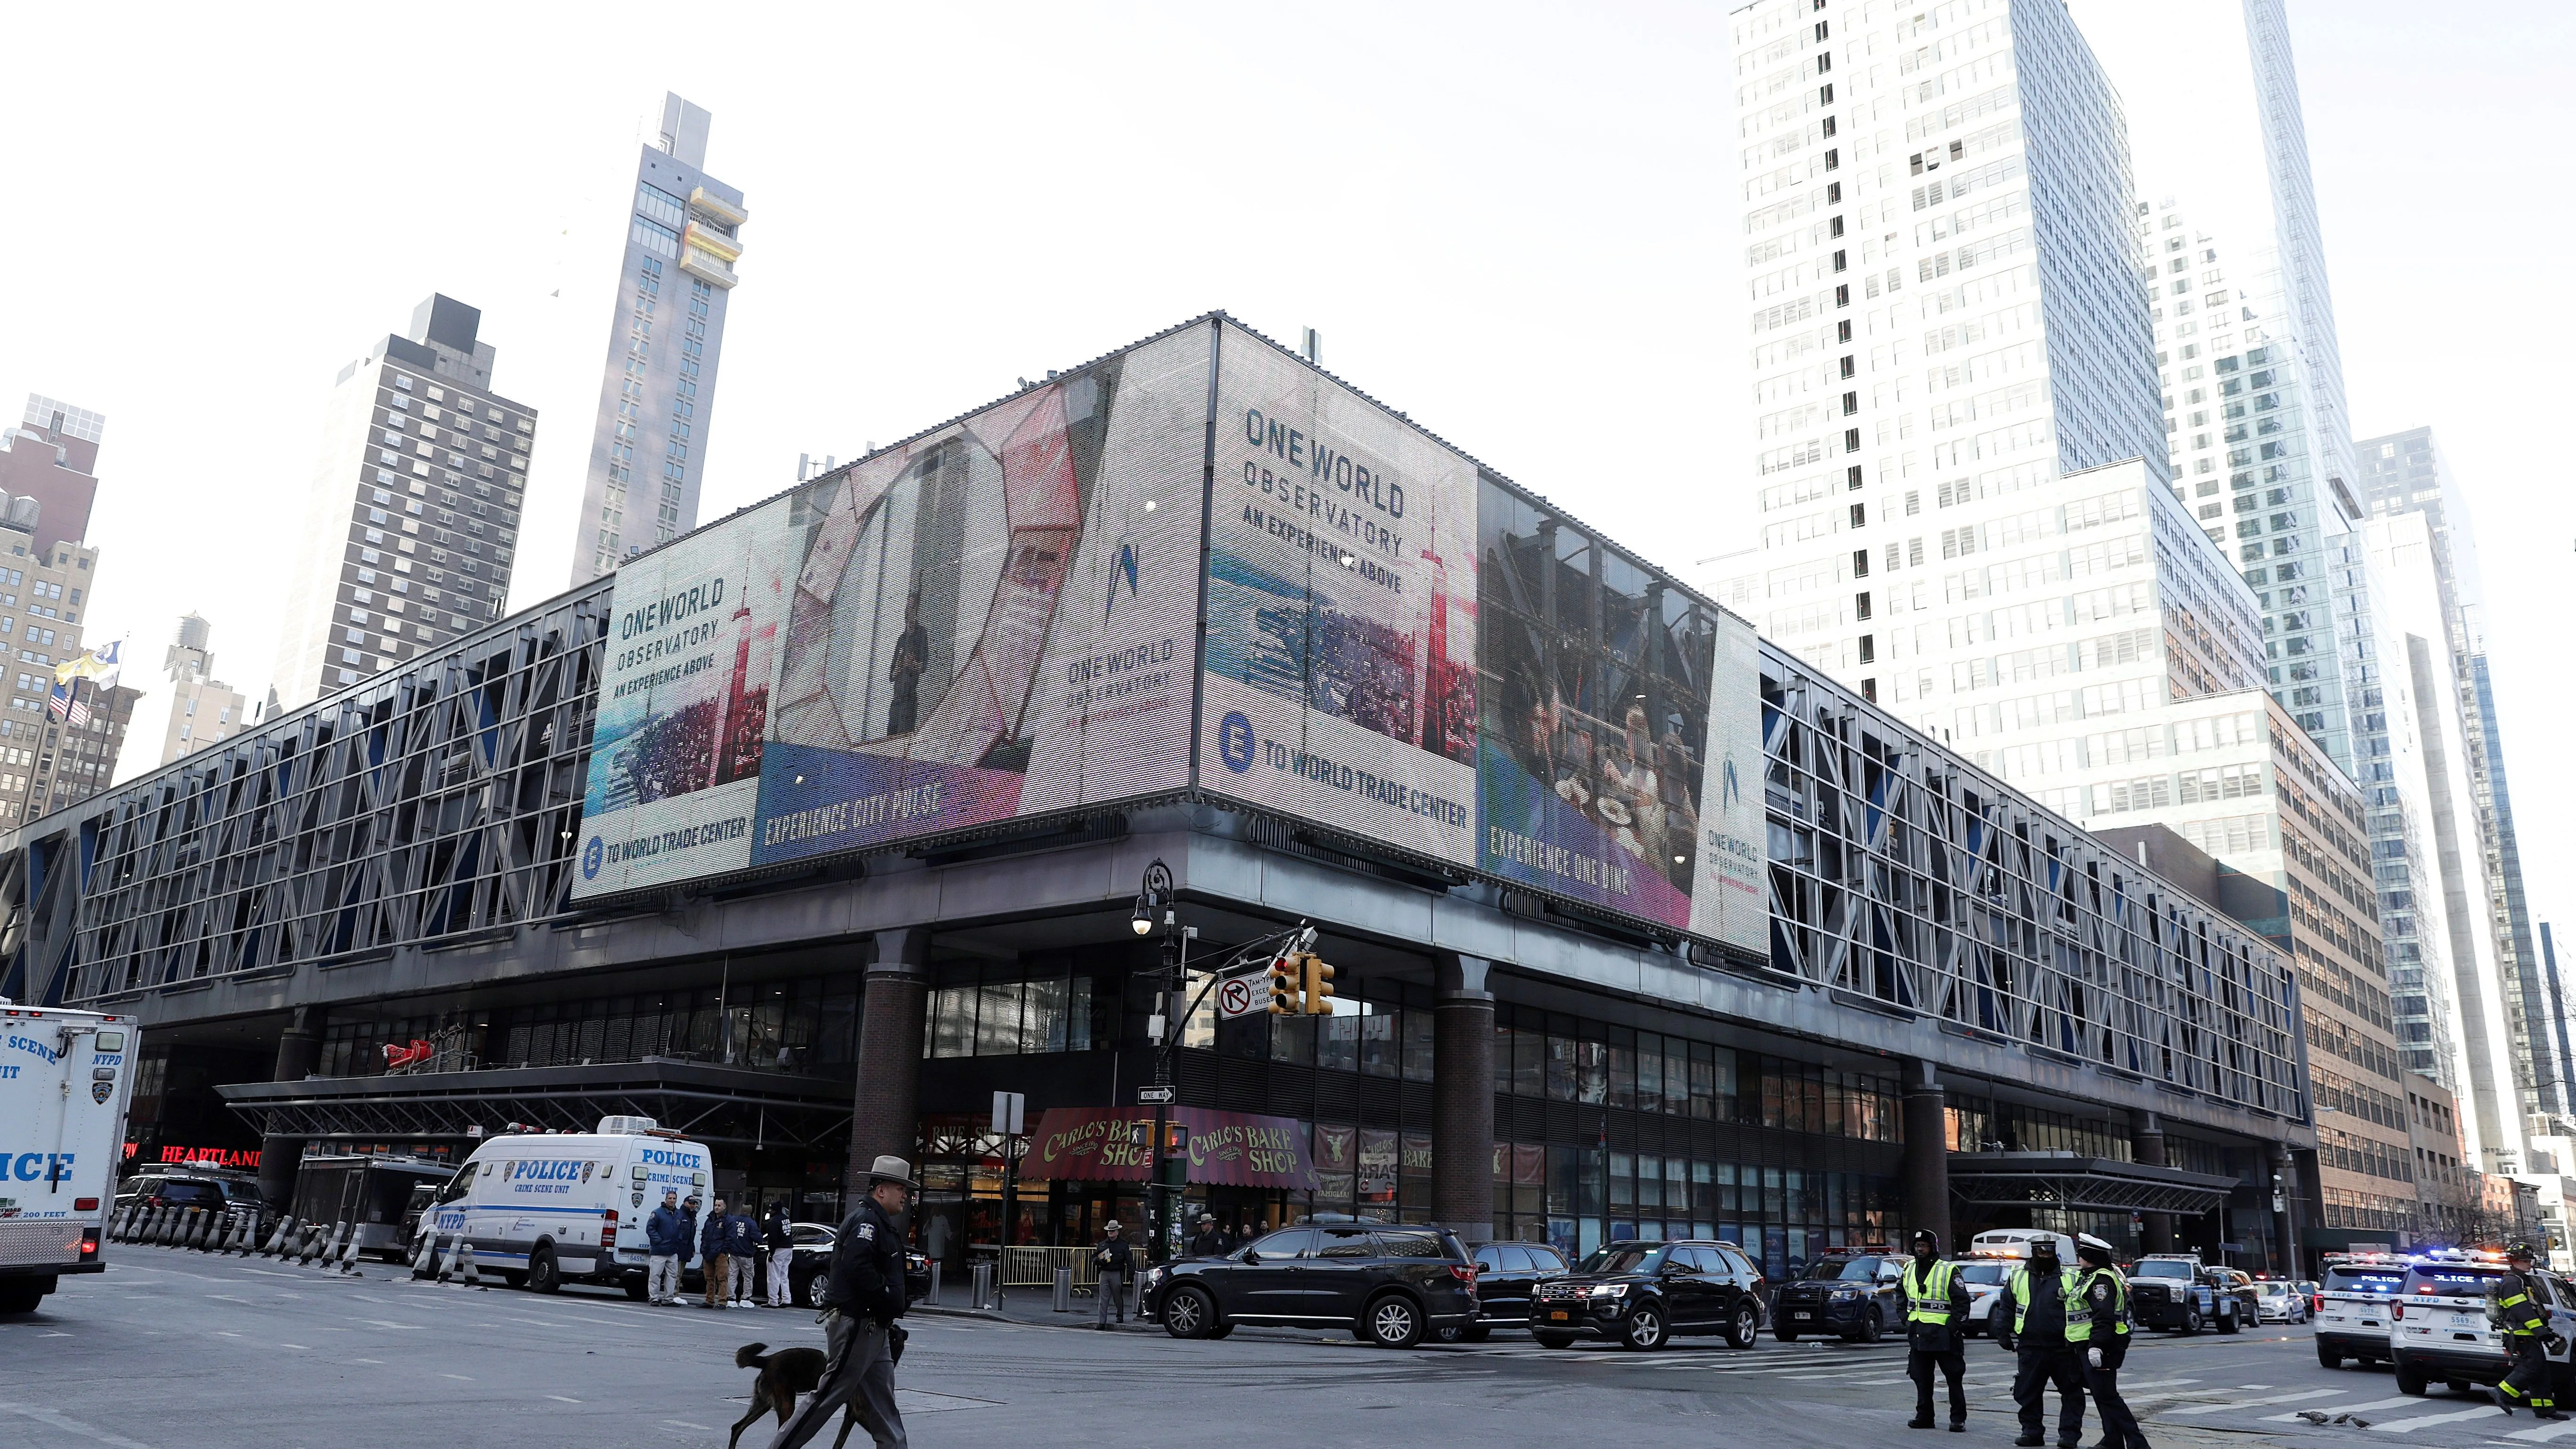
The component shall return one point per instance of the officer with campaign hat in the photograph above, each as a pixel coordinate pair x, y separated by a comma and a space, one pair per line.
863, 1296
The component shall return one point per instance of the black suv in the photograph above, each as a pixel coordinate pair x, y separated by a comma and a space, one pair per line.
1388, 1284
1855, 1296
1506, 1275
1638, 1295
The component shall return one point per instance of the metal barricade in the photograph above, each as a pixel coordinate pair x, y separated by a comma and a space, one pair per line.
1036, 1267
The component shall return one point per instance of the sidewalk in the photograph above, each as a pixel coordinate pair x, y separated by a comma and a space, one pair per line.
1033, 1306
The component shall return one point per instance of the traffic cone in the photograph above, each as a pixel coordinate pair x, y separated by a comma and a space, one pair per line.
473, 1275
426, 1259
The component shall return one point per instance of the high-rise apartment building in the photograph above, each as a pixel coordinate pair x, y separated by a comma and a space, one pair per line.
411, 522
657, 400
2405, 473
52, 457
48, 470
203, 709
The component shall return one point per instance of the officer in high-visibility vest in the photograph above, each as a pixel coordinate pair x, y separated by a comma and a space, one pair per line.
2043, 1293
2528, 1340
2099, 1330
1936, 1318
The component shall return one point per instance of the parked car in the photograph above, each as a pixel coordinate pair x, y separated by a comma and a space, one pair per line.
2237, 1286
2312, 1291
1638, 1295
2167, 1291
2439, 1331
1506, 1275
1984, 1278
2278, 1302
1389, 1285
812, 1258
1853, 1295
2354, 1306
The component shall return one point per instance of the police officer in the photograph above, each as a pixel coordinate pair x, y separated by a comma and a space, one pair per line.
2098, 1328
2528, 1339
863, 1295
1936, 1316
2043, 1292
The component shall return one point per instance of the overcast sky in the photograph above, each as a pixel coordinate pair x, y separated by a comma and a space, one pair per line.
1516, 223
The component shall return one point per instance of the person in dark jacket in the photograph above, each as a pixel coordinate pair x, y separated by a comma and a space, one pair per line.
714, 1264
1115, 1260
1210, 1241
2528, 1340
742, 1251
863, 1295
2101, 1330
1936, 1316
782, 1256
2043, 1292
666, 1236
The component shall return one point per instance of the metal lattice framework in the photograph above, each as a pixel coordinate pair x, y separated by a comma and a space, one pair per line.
707, 1104
1901, 875
2095, 1184
428, 804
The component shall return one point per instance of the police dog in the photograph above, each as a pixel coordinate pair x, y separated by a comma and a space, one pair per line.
784, 1375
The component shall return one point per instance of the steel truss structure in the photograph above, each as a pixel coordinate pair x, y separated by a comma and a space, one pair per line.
706, 1104
1906, 880
2094, 1184
433, 803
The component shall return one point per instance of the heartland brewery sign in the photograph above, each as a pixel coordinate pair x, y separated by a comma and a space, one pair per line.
1228, 1149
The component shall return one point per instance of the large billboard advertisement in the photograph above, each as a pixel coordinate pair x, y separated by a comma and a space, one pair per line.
998, 619
992, 620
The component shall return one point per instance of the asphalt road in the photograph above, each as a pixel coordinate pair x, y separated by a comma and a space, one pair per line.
183, 1350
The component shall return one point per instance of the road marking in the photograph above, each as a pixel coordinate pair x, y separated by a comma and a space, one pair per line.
70, 1426
380, 1363
458, 1377
297, 1346
2408, 1426
389, 1323
2259, 1403
560, 1399
2344, 1408
2544, 1433
685, 1424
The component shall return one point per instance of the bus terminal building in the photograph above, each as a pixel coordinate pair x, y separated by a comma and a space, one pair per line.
812, 830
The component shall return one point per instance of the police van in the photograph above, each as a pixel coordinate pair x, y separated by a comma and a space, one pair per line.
2353, 1303
2439, 1329
550, 1208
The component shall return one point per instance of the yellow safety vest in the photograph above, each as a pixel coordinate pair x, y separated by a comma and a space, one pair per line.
2066, 1290
1928, 1302
2079, 1314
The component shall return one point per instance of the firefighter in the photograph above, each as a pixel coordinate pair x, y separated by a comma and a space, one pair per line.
2528, 1339
1936, 1317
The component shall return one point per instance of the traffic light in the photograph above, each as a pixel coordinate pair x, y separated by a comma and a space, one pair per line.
1284, 984
1319, 986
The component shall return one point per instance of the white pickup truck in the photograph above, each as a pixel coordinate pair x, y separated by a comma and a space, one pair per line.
64, 1080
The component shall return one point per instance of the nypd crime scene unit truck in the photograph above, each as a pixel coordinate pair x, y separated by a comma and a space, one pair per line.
550, 1208
64, 1080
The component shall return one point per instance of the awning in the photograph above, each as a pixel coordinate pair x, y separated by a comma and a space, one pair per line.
1227, 1149
2097, 1184
706, 1103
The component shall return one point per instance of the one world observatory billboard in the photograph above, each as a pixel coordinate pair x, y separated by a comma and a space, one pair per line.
997, 620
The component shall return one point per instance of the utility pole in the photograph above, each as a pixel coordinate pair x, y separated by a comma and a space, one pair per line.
1155, 900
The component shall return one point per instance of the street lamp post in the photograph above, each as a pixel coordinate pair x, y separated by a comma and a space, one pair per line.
1155, 900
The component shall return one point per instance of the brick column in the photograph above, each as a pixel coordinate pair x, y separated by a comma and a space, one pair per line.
886, 1113
1462, 1099
1926, 1173
299, 1047
2147, 1144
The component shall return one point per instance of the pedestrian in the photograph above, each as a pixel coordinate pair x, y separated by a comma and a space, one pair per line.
714, 1265
1210, 1241
666, 1237
1114, 1258
1936, 1317
782, 1256
2042, 1291
742, 1254
2099, 1329
863, 1295
2528, 1339
689, 1252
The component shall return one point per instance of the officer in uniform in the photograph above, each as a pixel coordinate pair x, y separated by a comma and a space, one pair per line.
2044, 1295
2098, 1329
2528, 1340
863, 1296
1936, 1316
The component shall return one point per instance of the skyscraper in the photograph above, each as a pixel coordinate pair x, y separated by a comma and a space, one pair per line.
2405, 473
52, 457
657, 399
411, 521
203, 709
48, 575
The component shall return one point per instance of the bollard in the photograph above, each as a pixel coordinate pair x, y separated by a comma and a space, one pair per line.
305, 1243
473, 1275
454, 1262
160, 1232
349, 1259
153, 1223
1064, 1290
983, 1285
1136, 1296
171, 1230
142, 1219
331, 1247
424, 1260
935, 1267
246, 1242
124, 1223
203, 1229
234, 1229
277, 1240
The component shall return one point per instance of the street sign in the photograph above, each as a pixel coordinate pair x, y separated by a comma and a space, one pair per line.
1010, 1113
1239, 996
1149, 1096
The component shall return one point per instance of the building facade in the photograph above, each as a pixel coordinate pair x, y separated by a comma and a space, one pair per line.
52, 457
203, 709
410, 526
657, 398
2405, 473
2447, 1189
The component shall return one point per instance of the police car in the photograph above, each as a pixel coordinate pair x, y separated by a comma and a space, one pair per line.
2353, 1303
2173, 1291
2439, 1331
548, 1208
1984, 1277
